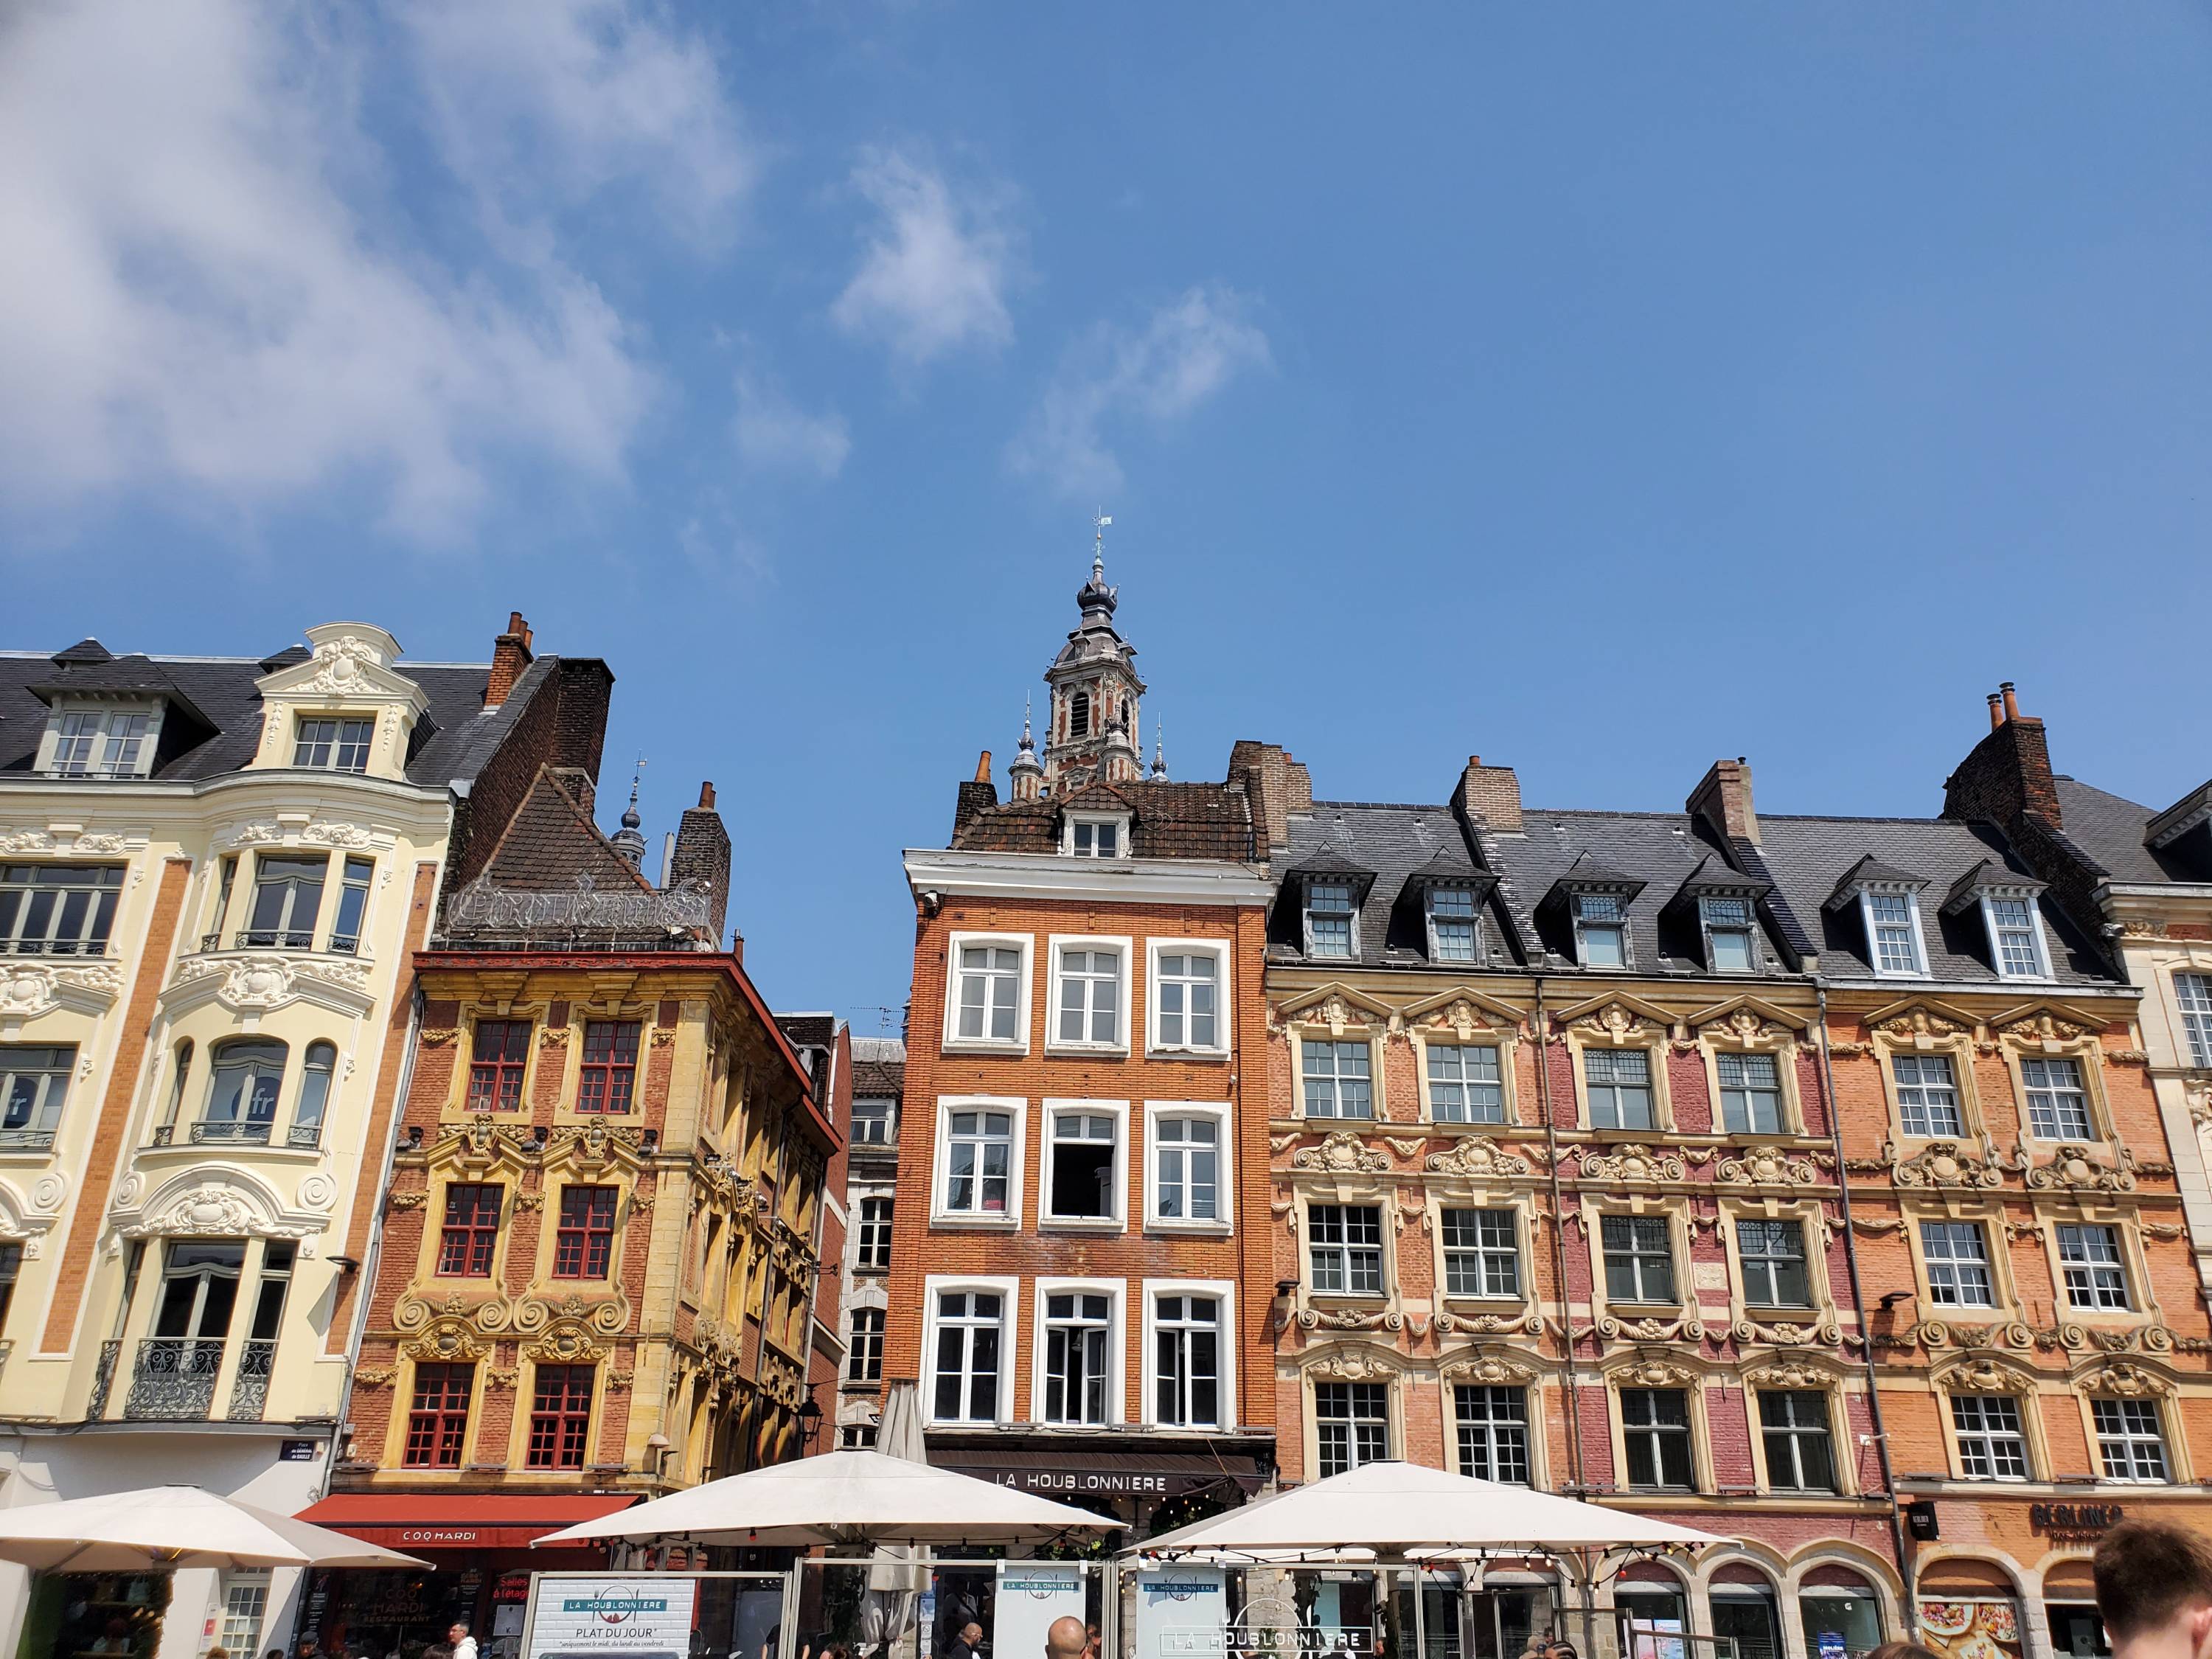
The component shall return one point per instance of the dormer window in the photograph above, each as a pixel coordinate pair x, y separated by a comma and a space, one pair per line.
1601, 931
101, 743
1892, 923
1454, 931
1097, 837
1730, 946
333, 745
2015, 941
1328, 919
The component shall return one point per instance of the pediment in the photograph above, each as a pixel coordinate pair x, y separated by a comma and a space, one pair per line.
1921, 1015
1724, 1013
350, 663
1460, 1007
1335, 1004
1613, 1010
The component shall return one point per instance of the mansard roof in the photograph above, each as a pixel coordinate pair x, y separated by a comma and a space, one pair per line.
1166, 821
2124, 836
221, 695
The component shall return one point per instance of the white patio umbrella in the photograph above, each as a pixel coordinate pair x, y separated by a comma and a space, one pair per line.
897, 1579
1403, 1510
159, 1527
855, 1497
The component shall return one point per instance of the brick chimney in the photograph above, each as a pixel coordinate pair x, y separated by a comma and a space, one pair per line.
703, 854
1492, 794
1722, 800
978, 795
510, 655
2007, 776
1275, 787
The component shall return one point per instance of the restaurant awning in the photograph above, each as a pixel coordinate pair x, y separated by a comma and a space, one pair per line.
1075, 1473
420, 1521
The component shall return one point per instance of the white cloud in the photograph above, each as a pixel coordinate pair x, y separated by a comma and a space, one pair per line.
1158, 373
203, 285
773, 435
550, 101
935, 274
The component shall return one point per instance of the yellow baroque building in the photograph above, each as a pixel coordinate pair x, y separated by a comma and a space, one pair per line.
213, 873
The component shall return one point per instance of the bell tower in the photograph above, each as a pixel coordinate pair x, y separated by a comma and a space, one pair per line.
1091, 726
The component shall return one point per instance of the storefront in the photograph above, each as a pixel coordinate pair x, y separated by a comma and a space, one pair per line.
1147, 1488
95, 1615
481, 1547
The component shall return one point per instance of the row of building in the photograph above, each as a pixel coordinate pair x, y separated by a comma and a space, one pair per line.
379, 1139
1836, 1184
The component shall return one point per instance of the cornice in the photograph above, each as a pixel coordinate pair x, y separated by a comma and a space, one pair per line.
1053, 876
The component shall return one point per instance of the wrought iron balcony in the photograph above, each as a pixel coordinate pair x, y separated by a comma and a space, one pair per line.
249, 1393
304, 1136
27, 1140
173, 1380
231, 1132
103, 1381
345, 944
274, 938
165, 1134
53, 947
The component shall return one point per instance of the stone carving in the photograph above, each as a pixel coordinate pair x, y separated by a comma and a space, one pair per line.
1404, 1148
25, 841
1941, 1163
1986, 1377
2076, 1169
318, 1191
437, 1036
1877, 1224
330, 834
1649, 1329
2045, 1028
2166, 1232
1450, 1323
1486, 1368
1352, 1366
2127, 1056
1280, 1144
1617, 1022
1918, 1021
1350, 1319
48, 1191
256, 834
97, 844
28, 989
257, 983
339, 664
1651, 1372
407, 1200
373, 1376
1341, 1152
1789, 1374
2127, 1381
1784, 1334
1477, 1155
1634, 1162
1767, 1166
209, 1209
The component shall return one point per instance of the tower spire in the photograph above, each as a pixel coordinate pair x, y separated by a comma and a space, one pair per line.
1159, 750
1025, 777
1099, 520
629, 839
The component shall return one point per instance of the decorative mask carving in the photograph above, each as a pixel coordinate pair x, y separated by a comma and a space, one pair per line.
1634, 1162
1341, 1152
1477, 1155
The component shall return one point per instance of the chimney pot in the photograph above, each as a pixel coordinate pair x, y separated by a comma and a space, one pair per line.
2011, 708
705, 797
983, 767
1475, 760
1996, 714
514, 622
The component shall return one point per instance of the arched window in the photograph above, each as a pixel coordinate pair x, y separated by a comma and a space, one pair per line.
1078, 714
1744, 1610
314, 1094
242, 1095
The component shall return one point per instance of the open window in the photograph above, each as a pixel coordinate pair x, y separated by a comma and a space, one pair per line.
1083, 1163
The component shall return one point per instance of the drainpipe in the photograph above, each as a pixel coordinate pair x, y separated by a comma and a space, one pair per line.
1911, 1608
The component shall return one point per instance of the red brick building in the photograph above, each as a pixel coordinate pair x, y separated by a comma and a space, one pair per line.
1080, 1274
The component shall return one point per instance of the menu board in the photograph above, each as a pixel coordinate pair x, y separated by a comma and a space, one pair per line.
637, 1615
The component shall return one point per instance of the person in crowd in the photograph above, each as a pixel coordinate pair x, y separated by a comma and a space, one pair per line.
458, 1639
1901, 1650
967, 1643
218, 1652
1066, 1638
2154, 1590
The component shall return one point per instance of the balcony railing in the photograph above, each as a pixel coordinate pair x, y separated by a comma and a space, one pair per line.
53, 947
345, 944
249, 1393
231, 1132
27, 1140
274, 938
103, 1380
174, 1381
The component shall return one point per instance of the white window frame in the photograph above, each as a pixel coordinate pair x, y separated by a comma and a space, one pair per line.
1898, 1085
1429, 1048
105, 713
1385, 1275
1115, 1291
1059, 945
2040, 946
1912, 897
1993, 1292
1223, 1003
2091, 1266
1618, 923
2192, 998
1306, 914
1118, 821
1009, 1289
1118, 1111
1480, 1251
954, 1043
2128, 1437
2030, 1089
1750, 930
940, 1162
1473, 919
1224, 1192
1224, 1290
1984, 1432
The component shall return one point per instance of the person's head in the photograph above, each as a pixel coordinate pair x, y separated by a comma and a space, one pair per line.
308, 1645
1901, 1650
457, 1633
971, 1632
2154, 1590
218, 1653
1066, 1639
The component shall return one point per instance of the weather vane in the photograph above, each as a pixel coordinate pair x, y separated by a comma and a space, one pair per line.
1099, 520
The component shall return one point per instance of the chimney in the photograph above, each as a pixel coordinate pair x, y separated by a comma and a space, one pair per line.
510, 655
1275, 785
1996, 714
1722, 800
703, 854
2007, 776
1492, 794
977, 796
983, 767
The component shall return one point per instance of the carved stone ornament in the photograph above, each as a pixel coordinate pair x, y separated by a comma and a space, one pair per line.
1634, 1162
1617, 1022
553, 1037
1404, 1148
1649, 1329
1341, 1152
1941, 1164
1452, 1324
1986, 1377
2045, 1028
337, 834
1745, 1026
256, 983
2076, 1169
1918, 1021
1350, 1319
502, 1378
373, 1376
1280, 1144
565, 1344
1478, 1156
1352, 1365
29, 989
446, 1339
1784, 1334
2165, 1232
2127, 1381
1462, 1019
25, 841
1767, 1166
1789, 1374
1877, 1224
437, 1036
414, 1198
1486, 1368
1651, 1373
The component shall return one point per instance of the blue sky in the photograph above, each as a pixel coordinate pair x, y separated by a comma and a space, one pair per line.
1601, 389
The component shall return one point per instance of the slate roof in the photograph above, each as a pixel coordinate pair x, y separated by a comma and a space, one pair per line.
1804, 857
1166, 821
551, 841
2110, 829
221, 690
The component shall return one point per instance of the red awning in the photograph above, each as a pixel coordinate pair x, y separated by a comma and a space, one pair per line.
413, 1522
